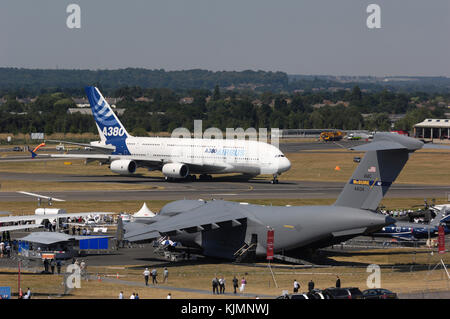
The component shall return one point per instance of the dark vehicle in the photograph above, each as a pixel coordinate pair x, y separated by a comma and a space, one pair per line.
316, 294
17, 149
379, 294
355, 293
343, 293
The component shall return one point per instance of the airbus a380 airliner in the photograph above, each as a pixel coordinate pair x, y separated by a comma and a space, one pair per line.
176, 158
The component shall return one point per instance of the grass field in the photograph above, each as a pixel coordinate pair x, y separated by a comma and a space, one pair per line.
424, 167
259, 279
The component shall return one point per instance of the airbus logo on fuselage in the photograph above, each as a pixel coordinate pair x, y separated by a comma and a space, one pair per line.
225, 152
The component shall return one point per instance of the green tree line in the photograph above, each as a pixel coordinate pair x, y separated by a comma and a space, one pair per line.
162, 109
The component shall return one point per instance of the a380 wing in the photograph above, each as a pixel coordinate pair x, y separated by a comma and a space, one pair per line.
143, 162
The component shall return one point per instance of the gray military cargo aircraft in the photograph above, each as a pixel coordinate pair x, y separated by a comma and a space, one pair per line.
221, 228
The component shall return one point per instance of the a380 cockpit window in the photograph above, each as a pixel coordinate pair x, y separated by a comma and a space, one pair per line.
279, 155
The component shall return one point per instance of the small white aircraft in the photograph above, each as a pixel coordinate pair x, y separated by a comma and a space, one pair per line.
41, 214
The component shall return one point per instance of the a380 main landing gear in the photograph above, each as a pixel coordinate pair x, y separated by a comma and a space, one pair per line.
205, 177
274, 180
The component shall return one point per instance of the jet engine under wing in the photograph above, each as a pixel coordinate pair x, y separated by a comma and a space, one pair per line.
143, 162
207, 216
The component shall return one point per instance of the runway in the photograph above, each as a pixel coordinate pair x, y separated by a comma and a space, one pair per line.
220, 188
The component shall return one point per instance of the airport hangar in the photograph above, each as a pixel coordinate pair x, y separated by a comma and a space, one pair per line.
433, 128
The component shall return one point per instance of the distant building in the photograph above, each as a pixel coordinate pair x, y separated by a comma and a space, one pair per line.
396, 117
88, 111
433, 128
143, 99
330, 103
81, 102
186, 100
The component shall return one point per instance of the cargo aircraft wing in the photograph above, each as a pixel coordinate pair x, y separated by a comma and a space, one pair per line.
211, 215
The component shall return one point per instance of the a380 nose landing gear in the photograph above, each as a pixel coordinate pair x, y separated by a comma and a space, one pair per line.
275, 179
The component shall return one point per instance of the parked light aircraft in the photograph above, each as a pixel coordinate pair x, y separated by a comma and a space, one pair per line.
41, 214
176, 158
414, 231
222, 229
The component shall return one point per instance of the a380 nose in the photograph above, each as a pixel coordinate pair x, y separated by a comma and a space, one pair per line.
283, 165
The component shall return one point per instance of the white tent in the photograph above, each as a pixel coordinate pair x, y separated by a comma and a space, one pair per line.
144, 212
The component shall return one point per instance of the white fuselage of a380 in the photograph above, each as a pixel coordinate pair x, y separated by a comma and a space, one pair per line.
179, 157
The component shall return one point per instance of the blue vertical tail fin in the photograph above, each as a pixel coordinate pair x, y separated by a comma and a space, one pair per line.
108, 125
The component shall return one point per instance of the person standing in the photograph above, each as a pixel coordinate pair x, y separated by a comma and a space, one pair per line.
154, 275
215, 283
83, 270
121, 295
166, 274
338, 282
310, 285
132, 296
52, 265
58, 266
235, 283
221, 285
243, 284
137, 296
296, 286
169, 296
146, 275
46, 265
29, 293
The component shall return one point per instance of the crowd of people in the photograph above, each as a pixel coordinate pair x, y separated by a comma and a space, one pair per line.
7, 246
218, 285
154, 274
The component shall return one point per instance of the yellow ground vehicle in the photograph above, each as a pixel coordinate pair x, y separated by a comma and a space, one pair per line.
331, 136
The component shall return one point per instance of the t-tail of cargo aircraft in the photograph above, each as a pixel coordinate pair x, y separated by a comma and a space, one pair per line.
385, 158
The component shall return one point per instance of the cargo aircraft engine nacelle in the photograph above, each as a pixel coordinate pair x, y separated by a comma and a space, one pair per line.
123, 167
175, 170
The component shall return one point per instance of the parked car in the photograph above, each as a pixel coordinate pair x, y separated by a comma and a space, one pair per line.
379, 294
316, 294
343, 293
294, 296
17, 149
355, 293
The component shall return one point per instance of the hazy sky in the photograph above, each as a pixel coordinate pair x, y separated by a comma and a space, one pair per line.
294, 36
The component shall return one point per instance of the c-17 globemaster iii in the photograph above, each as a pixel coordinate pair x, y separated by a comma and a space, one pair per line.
221, 228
